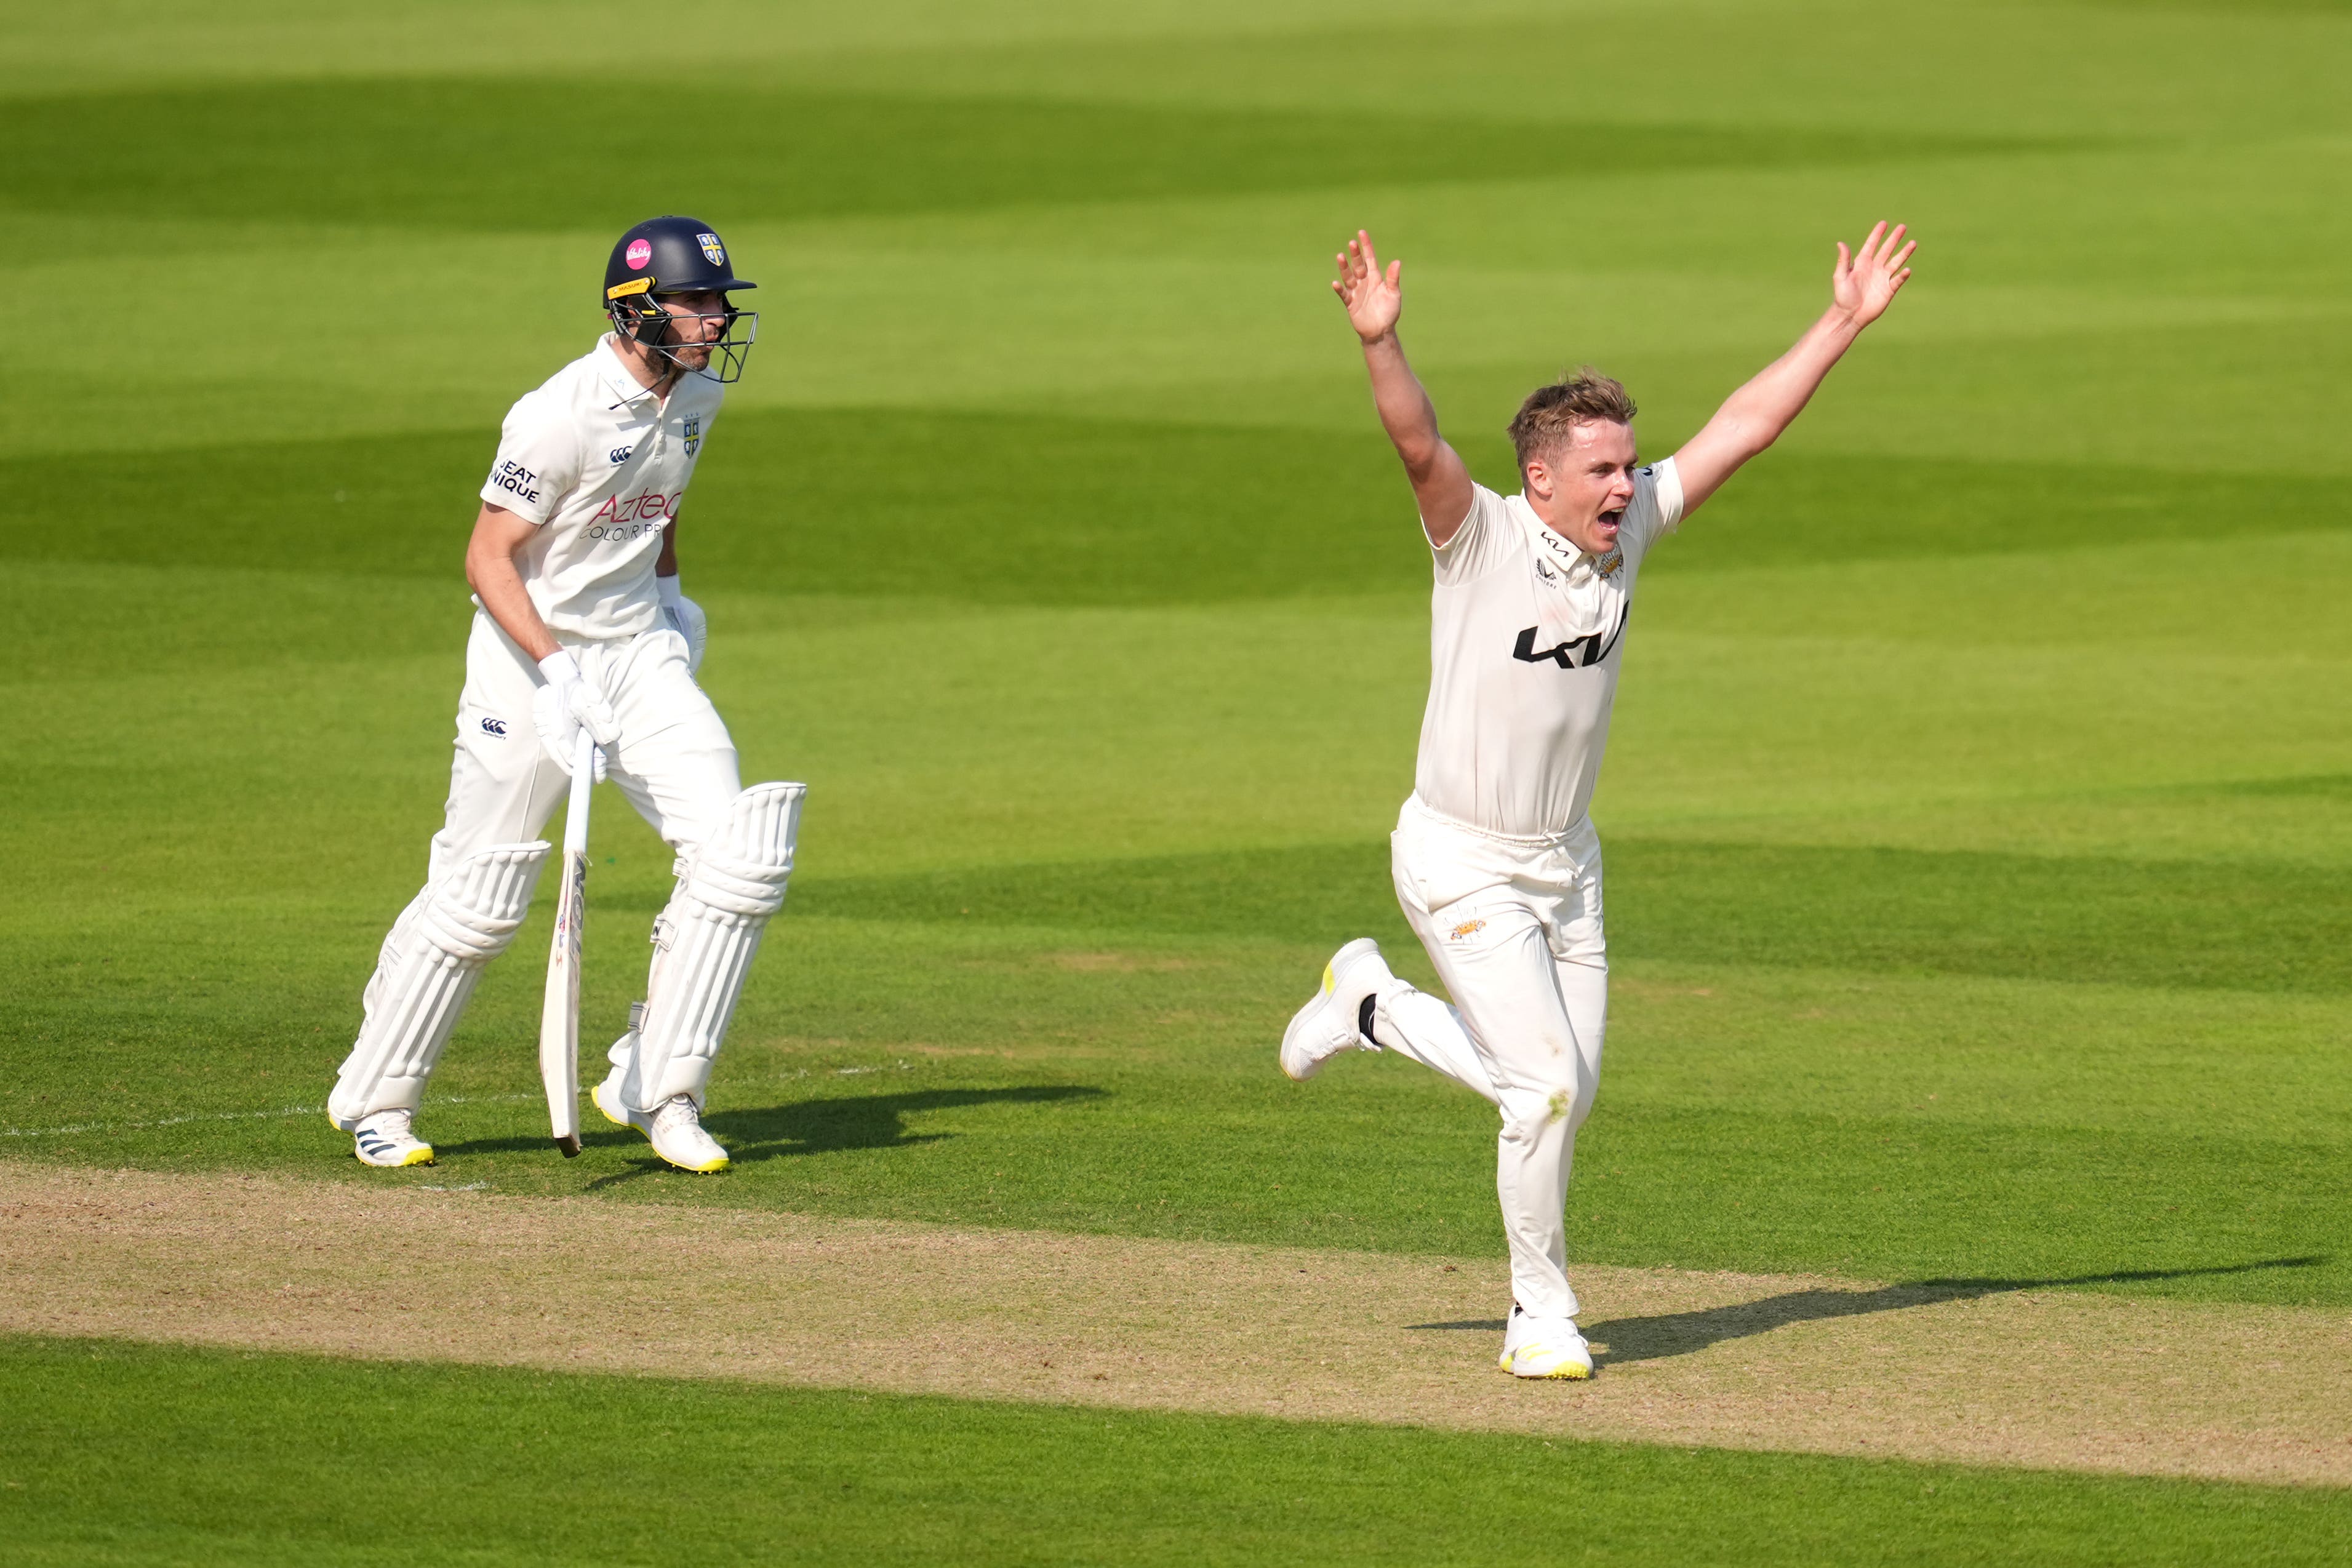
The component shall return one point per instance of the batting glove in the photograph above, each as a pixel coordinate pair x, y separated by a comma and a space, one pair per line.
686, 618
566, 705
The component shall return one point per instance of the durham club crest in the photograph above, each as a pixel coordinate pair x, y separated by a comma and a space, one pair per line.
712, 248
693, 434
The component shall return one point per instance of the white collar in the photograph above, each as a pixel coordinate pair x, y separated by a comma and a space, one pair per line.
617, 377
1577, 566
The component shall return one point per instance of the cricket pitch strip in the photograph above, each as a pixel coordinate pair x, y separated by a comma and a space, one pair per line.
1979, 1374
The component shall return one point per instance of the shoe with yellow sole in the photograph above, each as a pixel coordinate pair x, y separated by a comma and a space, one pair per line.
386, 1141
1333, 1019
674, 1128
1544, 1347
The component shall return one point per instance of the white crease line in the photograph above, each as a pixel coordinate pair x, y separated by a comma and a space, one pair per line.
293, 1110
280, 1115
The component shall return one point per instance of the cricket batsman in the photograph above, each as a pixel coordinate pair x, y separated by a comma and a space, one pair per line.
1495, 861
580, 623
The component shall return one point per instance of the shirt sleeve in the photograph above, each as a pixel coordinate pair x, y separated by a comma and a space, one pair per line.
1478, 545
1657, 507
537, 460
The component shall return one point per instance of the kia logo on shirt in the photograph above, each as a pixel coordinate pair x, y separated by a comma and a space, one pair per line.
1593, 646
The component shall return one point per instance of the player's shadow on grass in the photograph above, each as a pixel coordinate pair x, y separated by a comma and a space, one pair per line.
806, 1127
1681, 1333
865, 1122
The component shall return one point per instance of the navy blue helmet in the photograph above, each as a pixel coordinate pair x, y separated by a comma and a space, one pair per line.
676, 256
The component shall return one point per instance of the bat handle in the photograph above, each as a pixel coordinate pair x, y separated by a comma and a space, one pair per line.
583, 780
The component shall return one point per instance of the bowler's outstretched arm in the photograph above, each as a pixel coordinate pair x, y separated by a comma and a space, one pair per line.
1862, 285
1374, 298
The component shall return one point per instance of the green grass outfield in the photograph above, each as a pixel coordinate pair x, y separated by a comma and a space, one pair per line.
1978, 810
142, 1455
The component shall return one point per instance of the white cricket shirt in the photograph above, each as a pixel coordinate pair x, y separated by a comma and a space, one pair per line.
1527, 634
600, 464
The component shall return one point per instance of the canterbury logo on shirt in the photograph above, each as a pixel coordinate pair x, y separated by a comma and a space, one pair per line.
1576, 653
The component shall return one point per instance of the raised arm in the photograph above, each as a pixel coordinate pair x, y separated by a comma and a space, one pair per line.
1441, 482
1862, 285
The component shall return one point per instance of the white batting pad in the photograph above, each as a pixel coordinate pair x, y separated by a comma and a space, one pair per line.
704, 944
425, 975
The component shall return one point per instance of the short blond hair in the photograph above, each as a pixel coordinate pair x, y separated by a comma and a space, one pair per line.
1551, 414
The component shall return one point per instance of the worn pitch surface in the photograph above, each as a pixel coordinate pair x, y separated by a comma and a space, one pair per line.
1943, 1371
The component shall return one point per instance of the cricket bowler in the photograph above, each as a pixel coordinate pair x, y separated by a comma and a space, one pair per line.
1495, 861
580, 623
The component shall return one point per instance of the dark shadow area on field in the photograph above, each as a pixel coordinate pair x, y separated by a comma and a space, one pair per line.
807, 1127
2306, 786
865, 1122
1027, 488
1024, 526
1803, 507
602, 1136
426, 153
2247, 925
1682, 1333
648, 1165
2237, 925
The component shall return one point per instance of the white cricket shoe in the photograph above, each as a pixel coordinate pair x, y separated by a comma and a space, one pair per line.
1544, 1347
383, 1139
673, 1127
1329, 1021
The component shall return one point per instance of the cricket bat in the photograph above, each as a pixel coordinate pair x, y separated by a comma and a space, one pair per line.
558, 1019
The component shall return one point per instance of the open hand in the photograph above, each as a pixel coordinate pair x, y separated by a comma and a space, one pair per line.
1373, 298
1864, 283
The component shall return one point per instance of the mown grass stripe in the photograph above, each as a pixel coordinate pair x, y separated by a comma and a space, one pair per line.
117, 1453
445, 153
2255, 926
1056, 510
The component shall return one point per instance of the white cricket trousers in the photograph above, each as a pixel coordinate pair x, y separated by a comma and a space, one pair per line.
674, 762
1514, 928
